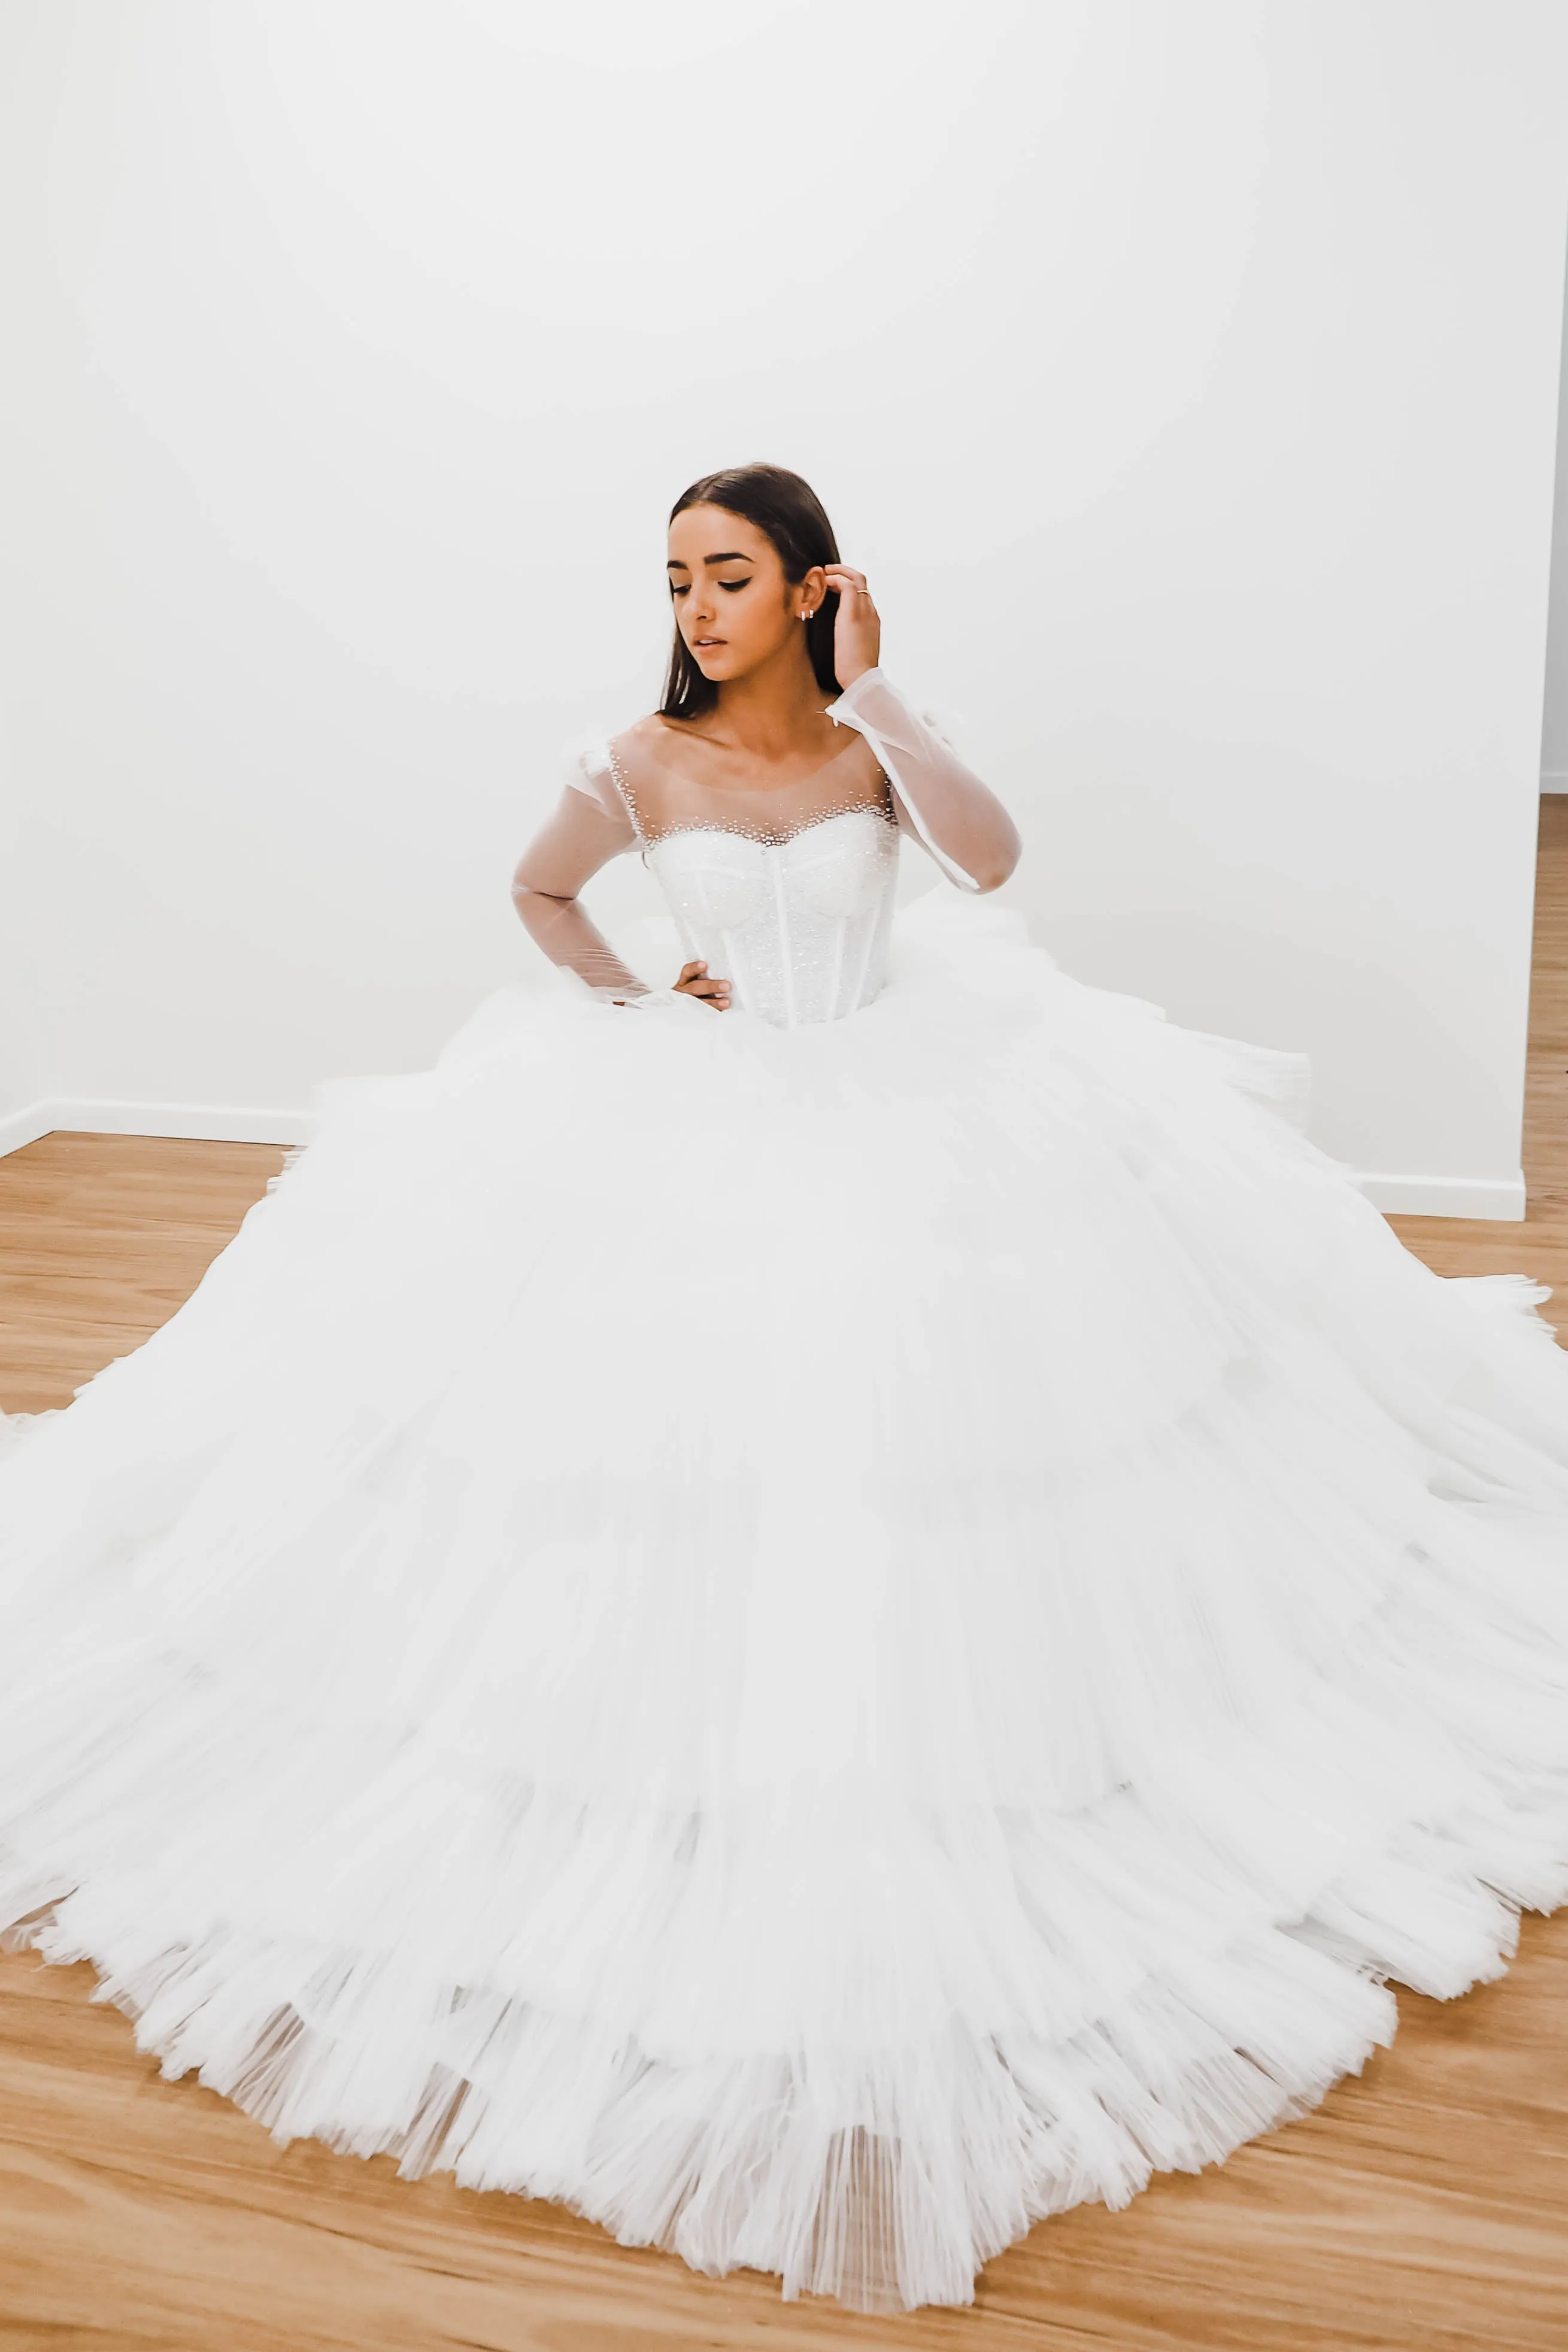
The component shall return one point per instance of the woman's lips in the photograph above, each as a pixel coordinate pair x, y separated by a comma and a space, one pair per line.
708, 642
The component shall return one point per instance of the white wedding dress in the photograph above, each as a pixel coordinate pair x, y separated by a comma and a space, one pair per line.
818, 1631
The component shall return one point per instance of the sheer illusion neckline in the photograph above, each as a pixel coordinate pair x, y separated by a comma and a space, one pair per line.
762, 792
774, 835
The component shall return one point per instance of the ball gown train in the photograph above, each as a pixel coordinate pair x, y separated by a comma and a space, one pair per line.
818, 1631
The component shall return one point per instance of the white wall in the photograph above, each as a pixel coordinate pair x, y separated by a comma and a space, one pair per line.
1555, 726
1184, 375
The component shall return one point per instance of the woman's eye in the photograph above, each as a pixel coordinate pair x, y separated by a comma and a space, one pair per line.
733, 584
678, 587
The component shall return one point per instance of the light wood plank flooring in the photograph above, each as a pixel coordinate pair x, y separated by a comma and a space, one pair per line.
1423, 2209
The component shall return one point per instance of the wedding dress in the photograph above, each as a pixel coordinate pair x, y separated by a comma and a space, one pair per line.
818, 1630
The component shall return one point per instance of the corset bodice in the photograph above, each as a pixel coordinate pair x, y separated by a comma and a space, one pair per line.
797, 925
783, 889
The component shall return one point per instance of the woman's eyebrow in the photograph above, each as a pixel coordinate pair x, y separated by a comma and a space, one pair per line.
730, 555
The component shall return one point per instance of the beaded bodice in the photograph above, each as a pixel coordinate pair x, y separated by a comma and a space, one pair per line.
785, 891
796, 915
798, 926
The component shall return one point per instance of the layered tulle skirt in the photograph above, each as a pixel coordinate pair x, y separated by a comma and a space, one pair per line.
818, 1643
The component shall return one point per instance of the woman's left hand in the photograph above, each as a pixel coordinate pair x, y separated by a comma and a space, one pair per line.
857, 631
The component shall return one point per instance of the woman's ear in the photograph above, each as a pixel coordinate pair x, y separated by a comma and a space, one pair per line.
812, 591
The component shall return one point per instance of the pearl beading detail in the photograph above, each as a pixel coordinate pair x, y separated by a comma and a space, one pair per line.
770, 836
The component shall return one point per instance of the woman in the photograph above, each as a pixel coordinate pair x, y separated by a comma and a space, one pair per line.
820, 1630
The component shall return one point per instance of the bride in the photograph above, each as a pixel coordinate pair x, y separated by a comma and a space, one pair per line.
821, 1611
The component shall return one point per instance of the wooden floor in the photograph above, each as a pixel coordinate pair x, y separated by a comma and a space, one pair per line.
1425, 2206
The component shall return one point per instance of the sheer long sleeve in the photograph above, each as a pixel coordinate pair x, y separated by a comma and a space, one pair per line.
587, 829
942, 803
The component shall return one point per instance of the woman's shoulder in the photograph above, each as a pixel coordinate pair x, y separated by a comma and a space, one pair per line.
607, 752
655, 734
656, 746
619, 767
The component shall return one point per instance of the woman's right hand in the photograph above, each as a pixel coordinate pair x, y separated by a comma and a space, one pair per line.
694, 982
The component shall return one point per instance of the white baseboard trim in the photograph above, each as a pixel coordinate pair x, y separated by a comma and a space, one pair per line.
26, 1126
1501, 1198
193, 1122
1496, 1197
1555, 780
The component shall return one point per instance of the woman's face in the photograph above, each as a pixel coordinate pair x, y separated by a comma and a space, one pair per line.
733, 605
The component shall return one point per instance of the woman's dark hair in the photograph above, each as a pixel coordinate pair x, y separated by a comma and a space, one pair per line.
788, 513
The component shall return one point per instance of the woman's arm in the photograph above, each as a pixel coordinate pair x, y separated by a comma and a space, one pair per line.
579, 839
590, 825
943, 804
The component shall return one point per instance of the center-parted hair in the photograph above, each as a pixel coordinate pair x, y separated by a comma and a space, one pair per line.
791, 516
